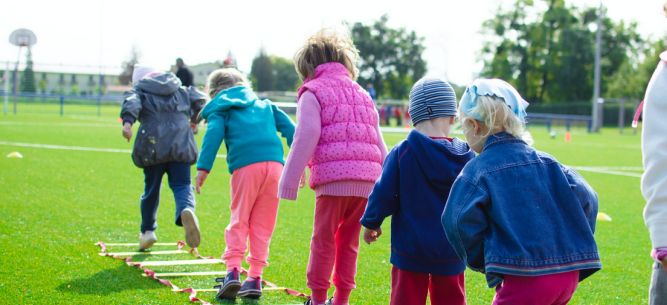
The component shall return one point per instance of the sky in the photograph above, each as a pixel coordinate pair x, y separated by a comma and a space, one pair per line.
82, 36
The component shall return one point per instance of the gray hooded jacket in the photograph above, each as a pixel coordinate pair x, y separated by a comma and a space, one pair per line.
165, 110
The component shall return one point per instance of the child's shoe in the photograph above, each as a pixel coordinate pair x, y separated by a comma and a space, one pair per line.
251, 288
146, 240
310, 302
191, 226
230, 285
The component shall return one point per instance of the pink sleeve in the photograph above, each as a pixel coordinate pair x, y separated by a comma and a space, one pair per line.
306, 137
659, 254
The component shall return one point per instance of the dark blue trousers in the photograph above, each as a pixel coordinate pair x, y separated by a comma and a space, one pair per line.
179, 182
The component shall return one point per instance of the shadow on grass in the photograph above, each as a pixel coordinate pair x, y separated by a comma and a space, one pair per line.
110, 281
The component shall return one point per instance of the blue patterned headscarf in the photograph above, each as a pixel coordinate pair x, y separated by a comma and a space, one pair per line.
493, 87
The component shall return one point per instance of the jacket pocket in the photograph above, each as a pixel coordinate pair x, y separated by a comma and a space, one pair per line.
144, 153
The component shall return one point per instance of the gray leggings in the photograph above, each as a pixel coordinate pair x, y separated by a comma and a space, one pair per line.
658, 292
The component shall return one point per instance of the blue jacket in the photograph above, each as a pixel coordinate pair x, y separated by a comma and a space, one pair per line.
417, 176
248, 127
514, 210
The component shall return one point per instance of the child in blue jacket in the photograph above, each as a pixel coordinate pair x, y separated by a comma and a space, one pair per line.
514, 213
416, 179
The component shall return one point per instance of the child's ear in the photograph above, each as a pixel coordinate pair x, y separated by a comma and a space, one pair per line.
477, 127
452, 120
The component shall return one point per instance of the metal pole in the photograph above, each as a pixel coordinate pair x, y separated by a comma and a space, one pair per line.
16, 78
5, 107
621, 116
62, 105
596, 81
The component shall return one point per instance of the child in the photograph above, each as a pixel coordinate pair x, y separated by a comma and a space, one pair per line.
164, 144
339, 138
248, 126
654, 185
515, 213
416, 178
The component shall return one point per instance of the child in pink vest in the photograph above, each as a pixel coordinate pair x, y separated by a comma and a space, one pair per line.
338, 137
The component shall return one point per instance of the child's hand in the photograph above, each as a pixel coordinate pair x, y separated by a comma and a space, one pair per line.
194, 128
127, 131
371, 235
302, 181
199, 180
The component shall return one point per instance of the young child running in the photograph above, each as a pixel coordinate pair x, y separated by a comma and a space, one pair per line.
249, 127
339, 138
515, 213
654, 184
164, 144
416, 178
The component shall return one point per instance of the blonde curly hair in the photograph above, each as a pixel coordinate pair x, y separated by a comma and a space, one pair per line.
496, 116
327, 45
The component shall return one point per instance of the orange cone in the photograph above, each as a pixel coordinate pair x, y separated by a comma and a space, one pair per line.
568, 136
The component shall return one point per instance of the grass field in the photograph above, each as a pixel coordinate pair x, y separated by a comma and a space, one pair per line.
57, 203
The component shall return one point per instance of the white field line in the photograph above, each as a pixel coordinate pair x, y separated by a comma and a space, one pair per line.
606, 171
75, 148
60, 124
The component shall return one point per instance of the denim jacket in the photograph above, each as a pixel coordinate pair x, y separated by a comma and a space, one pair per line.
517, 211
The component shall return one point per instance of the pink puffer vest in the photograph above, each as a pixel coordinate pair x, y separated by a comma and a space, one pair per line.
348, 149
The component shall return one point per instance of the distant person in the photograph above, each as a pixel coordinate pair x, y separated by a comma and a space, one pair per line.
417, 174
514, 213
164, 144
184, 74
654, 179
248, 126
339, 138
371, 91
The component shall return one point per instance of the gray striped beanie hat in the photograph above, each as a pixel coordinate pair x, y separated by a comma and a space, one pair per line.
431, 98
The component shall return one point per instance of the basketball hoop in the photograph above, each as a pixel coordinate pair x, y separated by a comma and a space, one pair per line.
23, 38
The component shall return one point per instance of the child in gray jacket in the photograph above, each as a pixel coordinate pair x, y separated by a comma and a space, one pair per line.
164, 144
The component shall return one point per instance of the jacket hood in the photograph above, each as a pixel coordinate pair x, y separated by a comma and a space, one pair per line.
234, 97
440, 161
163, 84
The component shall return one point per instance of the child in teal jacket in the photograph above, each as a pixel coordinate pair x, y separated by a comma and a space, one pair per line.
249, 127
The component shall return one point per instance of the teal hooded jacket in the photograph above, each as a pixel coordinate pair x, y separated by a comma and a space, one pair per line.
247, 125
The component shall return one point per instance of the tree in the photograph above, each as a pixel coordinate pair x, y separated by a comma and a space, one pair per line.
28, 76
262, 72
273, 73
284, 75
548, 55
631, 79
391, 58
125, 77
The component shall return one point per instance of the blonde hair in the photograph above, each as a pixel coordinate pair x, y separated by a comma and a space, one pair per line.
222, 79
325, 46
496, 116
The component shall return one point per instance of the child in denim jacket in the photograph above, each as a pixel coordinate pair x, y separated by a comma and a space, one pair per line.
514, 213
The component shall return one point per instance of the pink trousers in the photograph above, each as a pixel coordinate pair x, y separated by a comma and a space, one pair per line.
412, 288
335, 242
552, 289
253, 217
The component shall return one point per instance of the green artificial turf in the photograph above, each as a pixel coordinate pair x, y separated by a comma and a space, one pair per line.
57, 203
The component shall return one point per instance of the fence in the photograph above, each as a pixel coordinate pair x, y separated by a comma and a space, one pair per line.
60, 104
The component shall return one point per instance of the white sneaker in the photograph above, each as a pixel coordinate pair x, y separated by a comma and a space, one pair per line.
191, 226
146, 240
